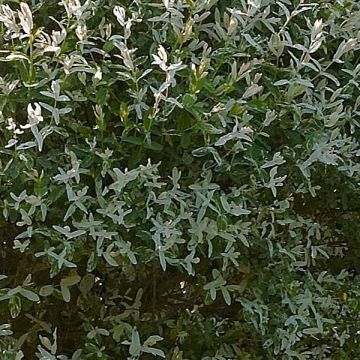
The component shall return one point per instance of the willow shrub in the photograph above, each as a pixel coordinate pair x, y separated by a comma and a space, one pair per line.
179, 179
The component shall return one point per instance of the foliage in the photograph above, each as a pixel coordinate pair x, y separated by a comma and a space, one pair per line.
179, 179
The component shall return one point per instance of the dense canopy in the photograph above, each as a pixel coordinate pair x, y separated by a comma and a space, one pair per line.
179, 179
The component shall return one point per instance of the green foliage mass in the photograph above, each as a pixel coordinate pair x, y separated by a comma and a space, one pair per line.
179, 179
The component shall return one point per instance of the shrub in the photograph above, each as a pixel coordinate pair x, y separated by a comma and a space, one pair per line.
179, 179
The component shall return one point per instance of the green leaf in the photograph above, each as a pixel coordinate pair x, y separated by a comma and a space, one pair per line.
65, 292
15, 306
5, 330
70, 280
109, 259
30, 295
188, 100
46, 290
135, 345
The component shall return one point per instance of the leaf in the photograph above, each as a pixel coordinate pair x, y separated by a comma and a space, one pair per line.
162, 260
311, 331
226, 295
5, 330
92, 262
156, 352
281, 82
252, 90
65, 292
109, 259
70, 280
87, 283
189, 100
344, 47
30, 295
17, 56
135, 345
46, 290
15, 306
242, 134
152, 340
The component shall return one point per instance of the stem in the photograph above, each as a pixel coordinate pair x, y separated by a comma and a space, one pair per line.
326, 68
154, 289
31, 57
288, 19
1, 35
1, 30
